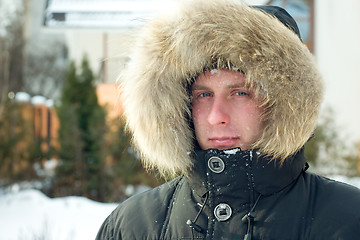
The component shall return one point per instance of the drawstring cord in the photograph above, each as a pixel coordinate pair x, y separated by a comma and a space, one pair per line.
192, 224
249, 217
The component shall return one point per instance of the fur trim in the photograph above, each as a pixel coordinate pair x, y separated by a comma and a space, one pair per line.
177, 46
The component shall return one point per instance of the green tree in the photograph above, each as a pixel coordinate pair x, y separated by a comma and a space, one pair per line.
16, 144
81, 136
124, 164
12, 44
328, 152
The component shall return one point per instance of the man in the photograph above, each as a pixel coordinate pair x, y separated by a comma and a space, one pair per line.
225, 96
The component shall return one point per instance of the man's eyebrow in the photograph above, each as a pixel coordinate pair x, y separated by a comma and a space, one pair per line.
195, 87
232, 86
237, 85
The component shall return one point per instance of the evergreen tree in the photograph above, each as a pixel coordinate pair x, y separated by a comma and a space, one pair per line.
16, 144
81, 136
328, 152
124, 165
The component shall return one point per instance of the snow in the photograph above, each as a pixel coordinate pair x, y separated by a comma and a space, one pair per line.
22, 97
29, 214
213, 71
38, 100
232, 151
107, 13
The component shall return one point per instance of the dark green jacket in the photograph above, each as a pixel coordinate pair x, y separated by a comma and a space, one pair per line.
238, 194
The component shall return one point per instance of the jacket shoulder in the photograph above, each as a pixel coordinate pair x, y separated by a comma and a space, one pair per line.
140, 216
334, 190
336, 208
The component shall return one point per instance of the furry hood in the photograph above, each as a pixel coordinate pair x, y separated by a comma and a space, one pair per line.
177, 46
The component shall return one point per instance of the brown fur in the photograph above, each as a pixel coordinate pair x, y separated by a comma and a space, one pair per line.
177, 46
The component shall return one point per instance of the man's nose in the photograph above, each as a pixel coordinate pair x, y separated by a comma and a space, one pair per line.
219, 112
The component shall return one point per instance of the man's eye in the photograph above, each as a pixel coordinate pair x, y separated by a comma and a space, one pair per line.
241, 93
205, 94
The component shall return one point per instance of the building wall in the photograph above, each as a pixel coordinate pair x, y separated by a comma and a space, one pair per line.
108, 97
107, 50
44, 123
337, 50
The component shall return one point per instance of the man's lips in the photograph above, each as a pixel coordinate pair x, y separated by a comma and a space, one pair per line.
223, 138
224, 141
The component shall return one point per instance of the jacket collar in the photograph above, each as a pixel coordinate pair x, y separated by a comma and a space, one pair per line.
244, 171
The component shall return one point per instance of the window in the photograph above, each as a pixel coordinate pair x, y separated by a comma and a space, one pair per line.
303, 13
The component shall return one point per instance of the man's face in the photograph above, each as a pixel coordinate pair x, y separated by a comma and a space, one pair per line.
225, 113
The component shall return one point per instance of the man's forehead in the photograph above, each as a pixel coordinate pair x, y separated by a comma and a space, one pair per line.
222, 77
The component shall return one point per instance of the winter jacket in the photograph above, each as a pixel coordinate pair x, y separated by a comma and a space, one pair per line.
233, 193
264, 193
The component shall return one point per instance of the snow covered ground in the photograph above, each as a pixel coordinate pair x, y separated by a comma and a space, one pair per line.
30, 215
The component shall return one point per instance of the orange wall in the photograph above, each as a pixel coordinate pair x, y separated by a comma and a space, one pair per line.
108, 96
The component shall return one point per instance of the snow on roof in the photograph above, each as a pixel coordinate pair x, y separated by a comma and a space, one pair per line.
96, 13
104, 6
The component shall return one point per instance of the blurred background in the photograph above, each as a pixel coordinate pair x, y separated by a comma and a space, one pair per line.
61, 126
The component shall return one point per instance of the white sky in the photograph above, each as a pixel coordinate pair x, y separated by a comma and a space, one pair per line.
7, 9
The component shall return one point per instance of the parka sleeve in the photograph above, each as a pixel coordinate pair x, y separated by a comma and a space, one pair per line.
106, 231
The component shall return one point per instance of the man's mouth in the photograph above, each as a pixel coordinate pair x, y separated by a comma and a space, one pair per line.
224, 142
